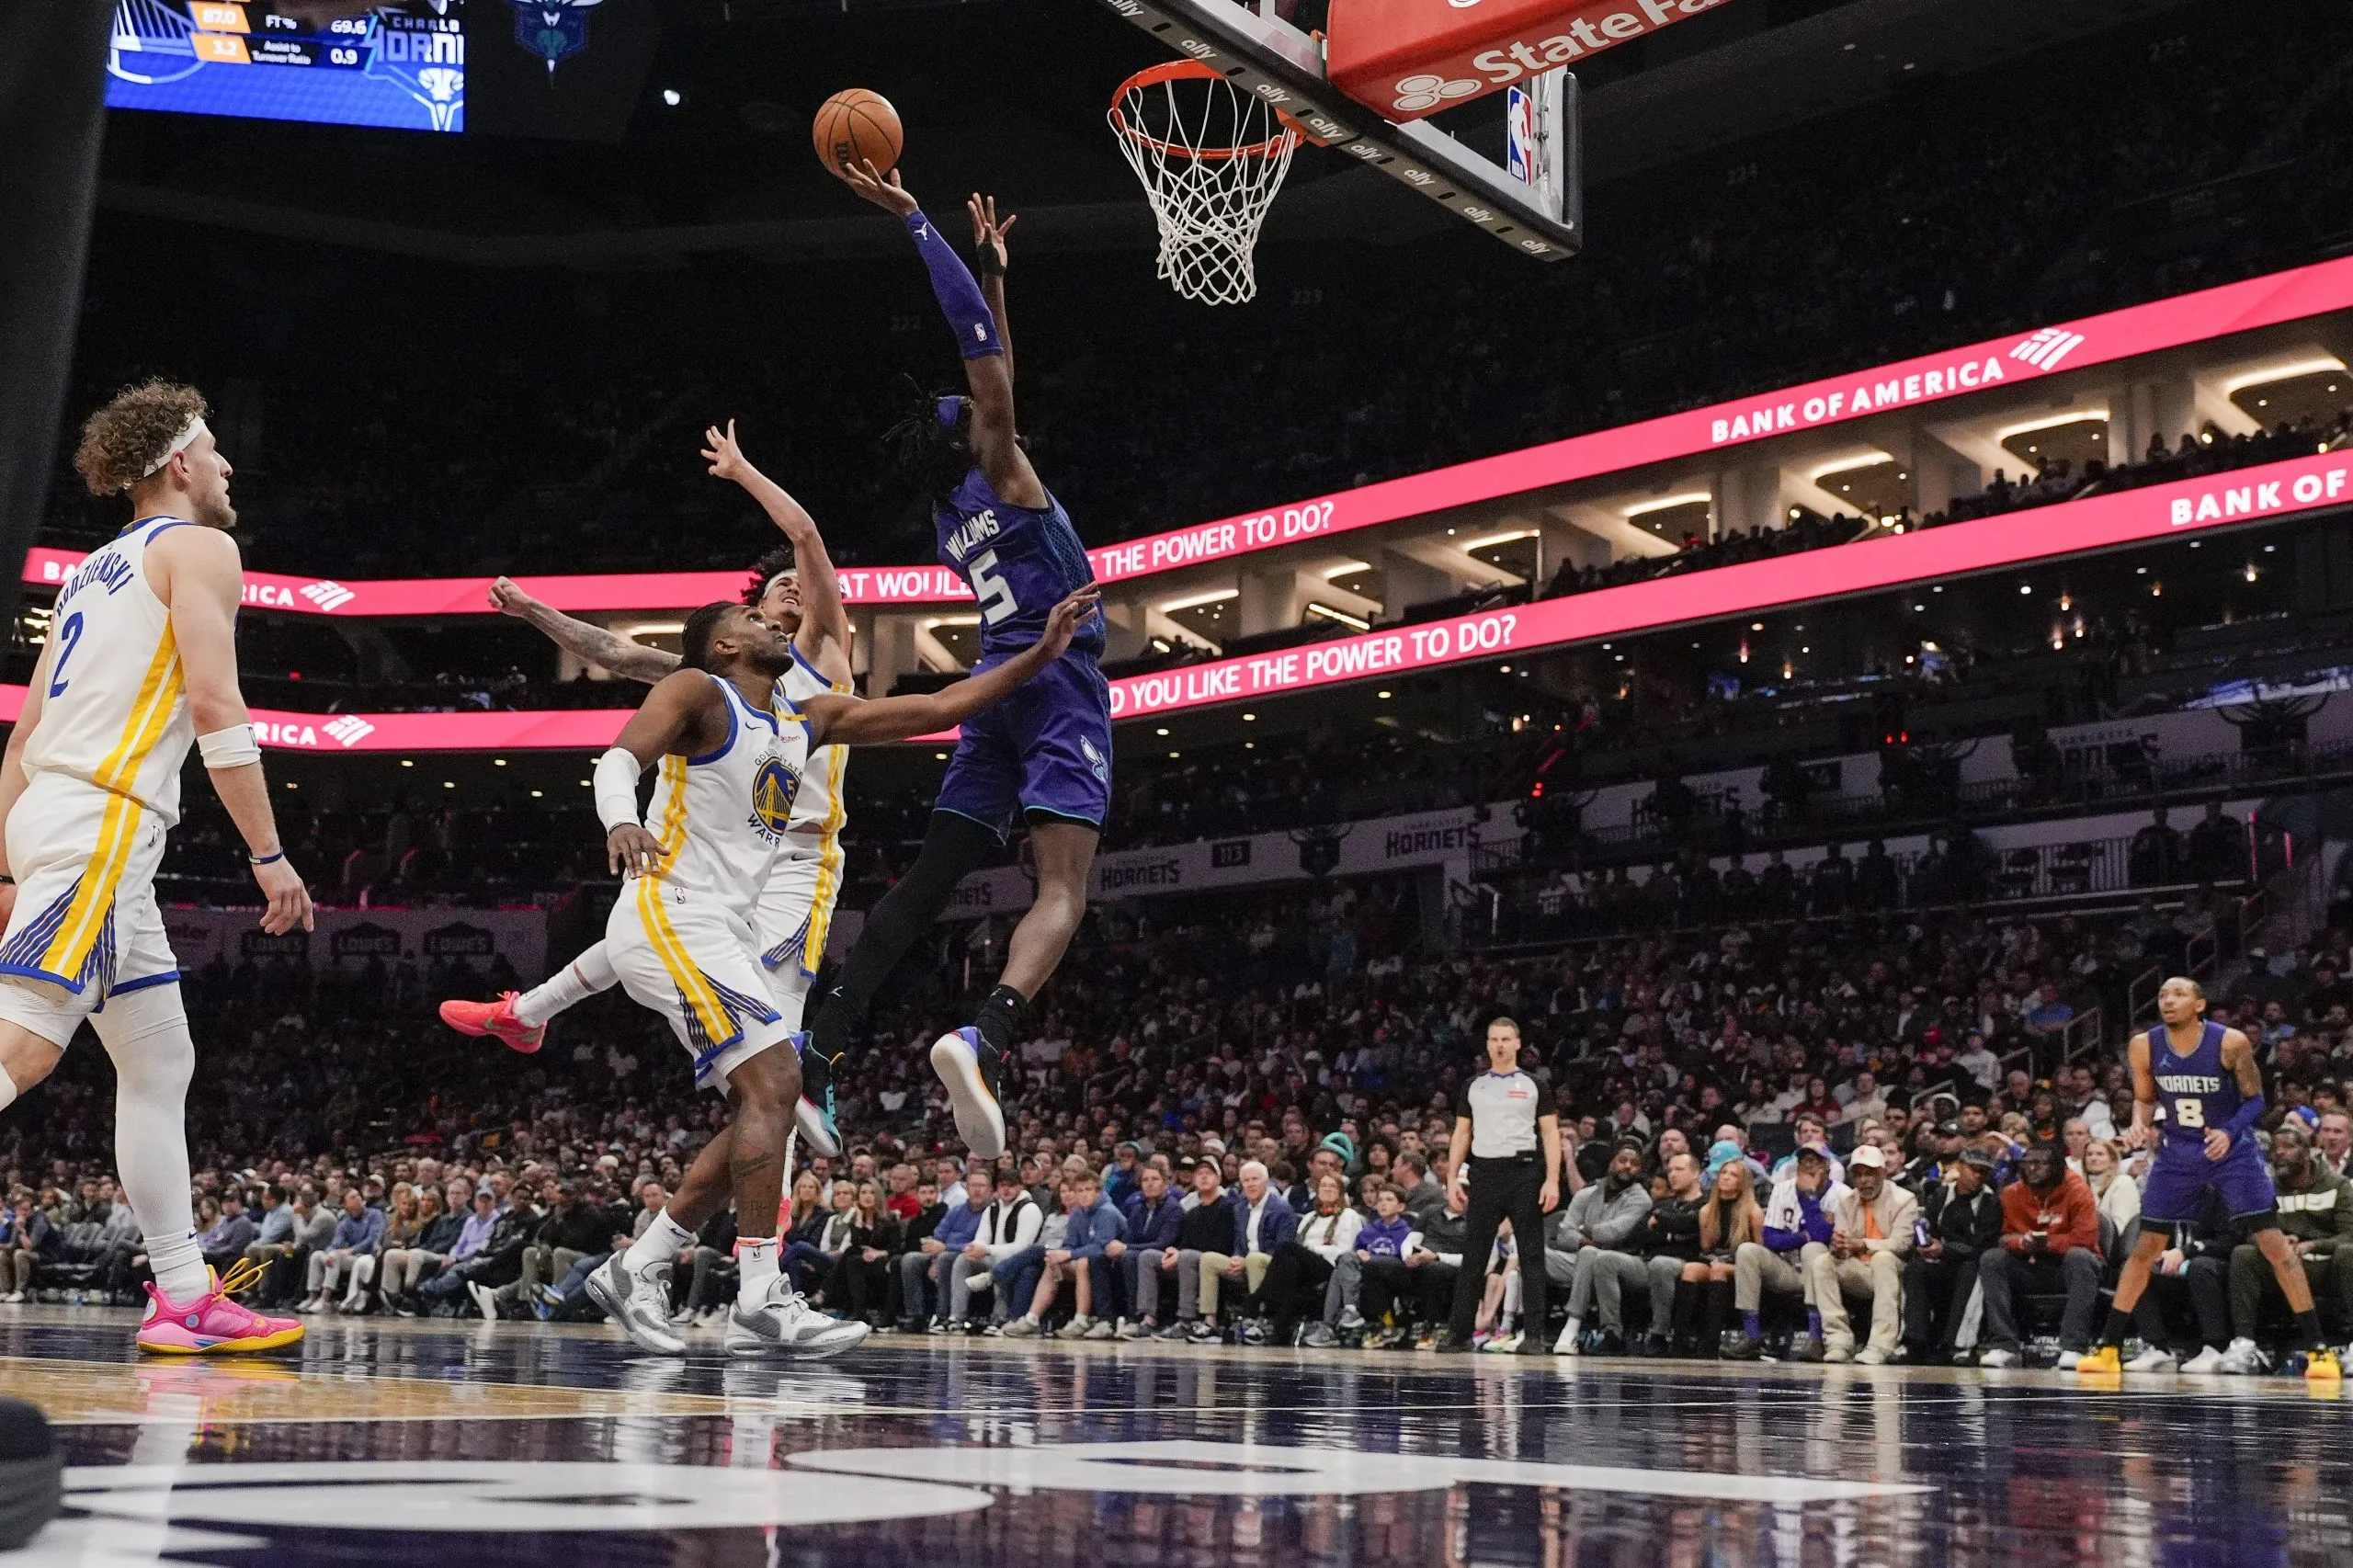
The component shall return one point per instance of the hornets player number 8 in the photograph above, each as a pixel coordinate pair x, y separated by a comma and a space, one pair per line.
2204, 1081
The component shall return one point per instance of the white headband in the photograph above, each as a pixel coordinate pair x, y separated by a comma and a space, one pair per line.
768, 585
186, 440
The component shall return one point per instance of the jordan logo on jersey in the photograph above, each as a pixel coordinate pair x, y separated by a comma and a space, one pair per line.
773, 789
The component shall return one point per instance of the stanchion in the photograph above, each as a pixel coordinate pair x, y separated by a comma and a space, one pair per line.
33, 1474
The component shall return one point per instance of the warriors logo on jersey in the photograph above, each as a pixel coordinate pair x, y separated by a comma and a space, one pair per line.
773, 791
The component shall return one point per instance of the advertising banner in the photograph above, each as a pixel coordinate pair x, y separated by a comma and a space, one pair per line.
2102, 522
2294, 295
2133, 517
1444, 839
1406, 59
349, 937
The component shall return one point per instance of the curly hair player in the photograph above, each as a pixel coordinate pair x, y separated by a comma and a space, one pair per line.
1047, 754
141, 665
681, 938
792, 587
2206, 1080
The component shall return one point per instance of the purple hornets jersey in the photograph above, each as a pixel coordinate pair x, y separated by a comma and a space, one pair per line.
2194, 1092
1019, 564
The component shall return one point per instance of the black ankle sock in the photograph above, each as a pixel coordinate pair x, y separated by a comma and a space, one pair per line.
1005, 1015
829, 1035
2308, 1334
2118, 1326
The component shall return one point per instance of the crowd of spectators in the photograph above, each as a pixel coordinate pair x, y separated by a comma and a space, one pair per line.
1234, 1123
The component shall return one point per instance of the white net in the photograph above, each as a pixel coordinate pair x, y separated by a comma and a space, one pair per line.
1211, 157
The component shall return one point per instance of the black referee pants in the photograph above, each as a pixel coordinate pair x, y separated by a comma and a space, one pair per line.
1503, 1189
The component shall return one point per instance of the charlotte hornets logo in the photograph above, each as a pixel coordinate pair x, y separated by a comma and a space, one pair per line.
773, 789
555, 31
1095, 760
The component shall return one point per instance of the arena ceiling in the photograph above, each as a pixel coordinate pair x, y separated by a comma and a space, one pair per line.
1003, 93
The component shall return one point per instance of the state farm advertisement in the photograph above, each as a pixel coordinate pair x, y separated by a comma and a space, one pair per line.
1412, 58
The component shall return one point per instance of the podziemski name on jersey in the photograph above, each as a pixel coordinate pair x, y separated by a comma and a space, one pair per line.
106, 567
977, 527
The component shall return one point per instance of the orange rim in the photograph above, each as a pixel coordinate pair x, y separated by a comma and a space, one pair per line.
1183, 70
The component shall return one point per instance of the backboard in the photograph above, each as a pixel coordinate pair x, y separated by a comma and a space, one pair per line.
1540, 217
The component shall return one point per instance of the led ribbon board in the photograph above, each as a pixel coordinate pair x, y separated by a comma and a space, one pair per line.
2103, 522
2209, 314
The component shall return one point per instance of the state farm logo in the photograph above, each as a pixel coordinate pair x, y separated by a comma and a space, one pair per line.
1415, 94
329, 595
2047, 347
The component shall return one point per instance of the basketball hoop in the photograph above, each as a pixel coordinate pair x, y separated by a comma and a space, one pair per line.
1211, 157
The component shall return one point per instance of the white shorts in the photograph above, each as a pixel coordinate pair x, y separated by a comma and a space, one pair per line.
796, 910
694, 963
86, 925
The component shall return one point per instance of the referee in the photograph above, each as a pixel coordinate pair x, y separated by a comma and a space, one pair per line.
1507, 1146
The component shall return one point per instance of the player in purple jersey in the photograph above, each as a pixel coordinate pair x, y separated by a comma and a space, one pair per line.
2204, 1080
1044, 757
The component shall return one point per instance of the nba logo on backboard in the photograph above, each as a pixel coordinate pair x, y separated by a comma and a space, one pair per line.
1519, 121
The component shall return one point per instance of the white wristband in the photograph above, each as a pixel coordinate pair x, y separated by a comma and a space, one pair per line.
616, 790
232, 747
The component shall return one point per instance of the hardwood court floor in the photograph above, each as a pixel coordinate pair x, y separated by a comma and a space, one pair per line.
388, 1442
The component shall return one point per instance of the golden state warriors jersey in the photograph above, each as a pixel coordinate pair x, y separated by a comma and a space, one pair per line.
114, 712
818, 814
722, 818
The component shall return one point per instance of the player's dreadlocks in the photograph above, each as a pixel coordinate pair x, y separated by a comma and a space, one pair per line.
926, 452
930, 446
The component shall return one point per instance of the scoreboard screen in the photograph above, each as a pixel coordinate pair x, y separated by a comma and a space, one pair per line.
400, 65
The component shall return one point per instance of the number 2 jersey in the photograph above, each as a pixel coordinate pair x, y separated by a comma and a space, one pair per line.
1018, 561
114, 713
103, 762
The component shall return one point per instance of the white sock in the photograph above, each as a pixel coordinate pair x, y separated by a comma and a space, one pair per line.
146, 1034
7, 1091
581, 978
756, 1266
177, 1264
662, 1242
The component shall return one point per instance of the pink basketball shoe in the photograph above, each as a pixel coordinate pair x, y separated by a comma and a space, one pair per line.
496, 1018
213, 1323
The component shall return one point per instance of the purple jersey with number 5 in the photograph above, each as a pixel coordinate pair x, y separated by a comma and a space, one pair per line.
1019, 564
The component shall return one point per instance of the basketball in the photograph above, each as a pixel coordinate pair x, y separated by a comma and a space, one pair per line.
854, 125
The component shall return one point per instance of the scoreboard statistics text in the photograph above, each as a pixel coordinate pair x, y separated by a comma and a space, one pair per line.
401, 65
